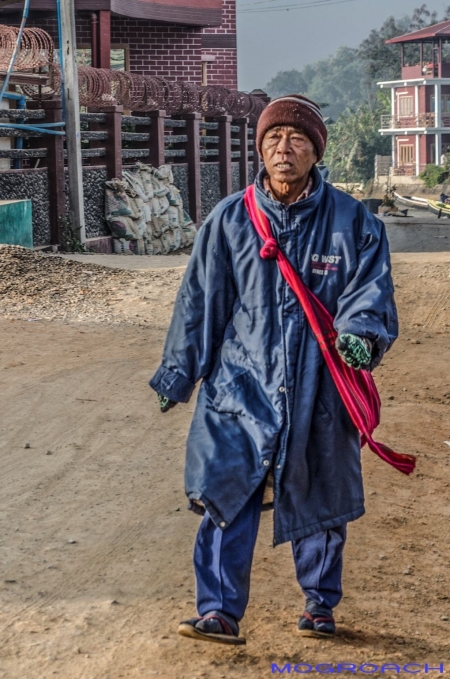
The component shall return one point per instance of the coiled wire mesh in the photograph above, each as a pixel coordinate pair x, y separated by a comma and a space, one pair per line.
36, 48
101, 87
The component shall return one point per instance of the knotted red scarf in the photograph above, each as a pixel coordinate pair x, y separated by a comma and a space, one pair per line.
356, 387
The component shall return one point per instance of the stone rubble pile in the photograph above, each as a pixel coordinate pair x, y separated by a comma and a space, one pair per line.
145, 212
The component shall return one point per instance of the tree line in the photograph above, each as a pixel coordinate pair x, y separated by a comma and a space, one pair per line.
345, 84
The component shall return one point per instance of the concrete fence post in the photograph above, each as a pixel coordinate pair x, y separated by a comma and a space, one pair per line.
193, 162
54, 162
224, 133
113, 145
243, 146
255, 157
156, 146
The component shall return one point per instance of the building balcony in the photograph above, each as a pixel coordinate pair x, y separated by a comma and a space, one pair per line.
406, 169
414, 122
411, 122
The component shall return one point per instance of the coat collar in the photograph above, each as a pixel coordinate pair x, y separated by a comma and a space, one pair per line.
273, 208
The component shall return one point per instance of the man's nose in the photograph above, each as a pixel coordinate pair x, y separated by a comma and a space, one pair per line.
284, 145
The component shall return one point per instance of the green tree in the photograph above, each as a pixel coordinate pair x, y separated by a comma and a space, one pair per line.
354, 141
422, 17
347, 81
381, 61
286, 82
337, 81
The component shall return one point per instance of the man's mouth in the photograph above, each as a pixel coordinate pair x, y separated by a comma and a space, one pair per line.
283, 166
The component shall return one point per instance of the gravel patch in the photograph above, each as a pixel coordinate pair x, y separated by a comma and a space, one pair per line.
37, 286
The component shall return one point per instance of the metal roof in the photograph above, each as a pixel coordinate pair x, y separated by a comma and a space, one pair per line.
183, 12
441, 30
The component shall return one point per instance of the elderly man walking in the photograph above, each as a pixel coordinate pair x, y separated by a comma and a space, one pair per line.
268, 404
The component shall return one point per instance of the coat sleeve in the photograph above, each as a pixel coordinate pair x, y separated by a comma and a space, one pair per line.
202, 310
367, 307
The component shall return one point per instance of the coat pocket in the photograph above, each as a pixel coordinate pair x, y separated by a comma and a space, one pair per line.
322, 410
245, 397
229, 394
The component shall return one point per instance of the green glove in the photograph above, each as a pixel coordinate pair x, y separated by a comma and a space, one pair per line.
165, 403
355, 351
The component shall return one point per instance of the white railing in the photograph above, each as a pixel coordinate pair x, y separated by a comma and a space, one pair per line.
403, 170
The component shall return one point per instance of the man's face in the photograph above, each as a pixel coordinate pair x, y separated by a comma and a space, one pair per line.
288, 154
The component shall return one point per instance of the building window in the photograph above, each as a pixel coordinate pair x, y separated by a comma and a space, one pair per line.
405, 106
406, 152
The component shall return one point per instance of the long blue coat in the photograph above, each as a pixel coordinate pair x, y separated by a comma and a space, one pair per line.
266, 399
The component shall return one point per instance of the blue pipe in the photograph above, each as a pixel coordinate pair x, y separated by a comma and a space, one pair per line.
16, 97
44, 130
16, 49
38, 126
18, 141
61, 59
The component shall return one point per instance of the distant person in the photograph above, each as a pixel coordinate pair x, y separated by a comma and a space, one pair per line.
268, 405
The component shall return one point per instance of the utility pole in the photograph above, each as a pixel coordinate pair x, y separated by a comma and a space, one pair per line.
72, 109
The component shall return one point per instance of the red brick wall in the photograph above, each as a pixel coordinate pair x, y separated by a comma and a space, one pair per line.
431, 158
429, 94
422, 100
169, 51
422, 150
50, 25
223, 71
174, 52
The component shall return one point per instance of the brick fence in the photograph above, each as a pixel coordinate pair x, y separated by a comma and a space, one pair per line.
211, 158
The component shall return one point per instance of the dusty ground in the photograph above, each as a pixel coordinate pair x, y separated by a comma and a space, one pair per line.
95, 539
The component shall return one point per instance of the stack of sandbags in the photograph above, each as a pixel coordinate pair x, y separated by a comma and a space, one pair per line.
146, 209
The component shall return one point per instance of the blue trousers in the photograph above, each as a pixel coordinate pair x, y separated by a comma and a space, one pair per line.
223, 561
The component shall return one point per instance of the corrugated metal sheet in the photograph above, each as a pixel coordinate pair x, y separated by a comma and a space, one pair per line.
15, 223
184, 12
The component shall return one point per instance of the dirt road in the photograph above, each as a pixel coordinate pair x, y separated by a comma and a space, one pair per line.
95, 539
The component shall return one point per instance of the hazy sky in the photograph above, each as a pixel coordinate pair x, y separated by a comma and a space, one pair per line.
273, 41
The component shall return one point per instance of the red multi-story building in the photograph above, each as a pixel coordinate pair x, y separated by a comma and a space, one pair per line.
419, 122
193, 40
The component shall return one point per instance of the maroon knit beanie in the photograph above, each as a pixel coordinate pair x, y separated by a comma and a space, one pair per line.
297, 111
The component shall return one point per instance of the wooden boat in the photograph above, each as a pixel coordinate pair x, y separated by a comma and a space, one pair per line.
438, 208
422, 201
411, 201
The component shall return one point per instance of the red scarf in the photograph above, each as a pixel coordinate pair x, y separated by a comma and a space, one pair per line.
356, 387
